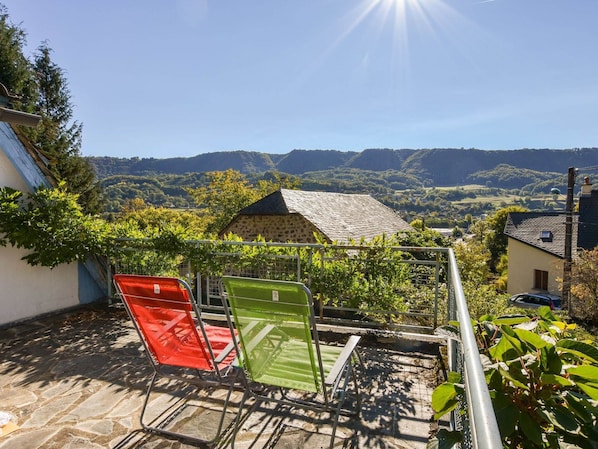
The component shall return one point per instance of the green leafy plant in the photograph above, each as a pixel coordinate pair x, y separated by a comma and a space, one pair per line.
543, 382
51, 225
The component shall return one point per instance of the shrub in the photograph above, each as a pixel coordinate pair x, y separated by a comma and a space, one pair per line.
542, 381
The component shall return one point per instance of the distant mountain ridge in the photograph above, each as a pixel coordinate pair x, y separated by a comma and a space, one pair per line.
438, 166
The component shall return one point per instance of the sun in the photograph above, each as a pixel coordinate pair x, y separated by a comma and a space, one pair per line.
388, 29
394, 24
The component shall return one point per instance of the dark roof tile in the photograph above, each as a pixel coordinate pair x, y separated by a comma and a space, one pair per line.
528, 226
339, 216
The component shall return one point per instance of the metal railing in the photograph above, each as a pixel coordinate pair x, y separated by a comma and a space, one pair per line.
478, 424
378, 289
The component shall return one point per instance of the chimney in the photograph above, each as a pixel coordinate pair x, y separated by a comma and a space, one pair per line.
587, 231
586, 187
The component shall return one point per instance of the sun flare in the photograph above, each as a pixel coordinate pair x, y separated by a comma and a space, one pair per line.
394, 24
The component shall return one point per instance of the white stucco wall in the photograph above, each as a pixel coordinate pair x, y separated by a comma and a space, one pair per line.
9, 176
523, 260
27, 291
30, 291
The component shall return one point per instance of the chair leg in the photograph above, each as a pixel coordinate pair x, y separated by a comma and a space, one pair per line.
155, 429
146, 400
237, 426
357, 395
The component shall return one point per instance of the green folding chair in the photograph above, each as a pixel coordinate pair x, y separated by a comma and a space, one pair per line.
278, 346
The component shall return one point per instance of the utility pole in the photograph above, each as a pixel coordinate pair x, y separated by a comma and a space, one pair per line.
566, 293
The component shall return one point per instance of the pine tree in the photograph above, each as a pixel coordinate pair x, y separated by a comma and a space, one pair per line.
58, 135
42, 89
15, 70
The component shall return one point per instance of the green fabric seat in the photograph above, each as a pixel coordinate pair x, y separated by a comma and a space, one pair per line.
279, 345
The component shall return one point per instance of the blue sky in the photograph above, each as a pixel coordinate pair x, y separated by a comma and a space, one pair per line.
175, 78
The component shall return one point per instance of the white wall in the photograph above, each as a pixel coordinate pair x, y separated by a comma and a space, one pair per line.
27, 291
523, 260
9, 177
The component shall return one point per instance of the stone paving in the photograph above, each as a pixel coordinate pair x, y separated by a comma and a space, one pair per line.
78, 379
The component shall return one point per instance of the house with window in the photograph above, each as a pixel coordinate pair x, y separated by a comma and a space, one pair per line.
536, 243
296, 215
29, 291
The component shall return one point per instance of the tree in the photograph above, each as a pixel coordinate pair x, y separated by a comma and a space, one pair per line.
584, 285
472, 258
41, 88
496, 240
58, 135
15, 69
158, 219
226, 194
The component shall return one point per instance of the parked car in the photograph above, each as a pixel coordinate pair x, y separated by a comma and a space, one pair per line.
535, 300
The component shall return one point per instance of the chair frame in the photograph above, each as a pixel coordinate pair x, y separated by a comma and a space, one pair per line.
217, 373
332, 388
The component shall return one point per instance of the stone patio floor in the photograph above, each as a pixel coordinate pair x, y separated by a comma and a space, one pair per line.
78, 379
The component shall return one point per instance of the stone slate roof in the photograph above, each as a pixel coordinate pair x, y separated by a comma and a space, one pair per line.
527, 227
338, 216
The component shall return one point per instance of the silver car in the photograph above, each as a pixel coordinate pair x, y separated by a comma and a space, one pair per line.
535, 300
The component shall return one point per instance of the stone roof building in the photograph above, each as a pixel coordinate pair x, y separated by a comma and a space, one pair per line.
295, 215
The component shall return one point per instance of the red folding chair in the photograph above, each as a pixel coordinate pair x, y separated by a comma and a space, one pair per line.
176, 341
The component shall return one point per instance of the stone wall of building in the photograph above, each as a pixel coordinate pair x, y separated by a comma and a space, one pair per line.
277, 228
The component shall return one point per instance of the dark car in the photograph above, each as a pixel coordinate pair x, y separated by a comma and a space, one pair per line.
535, 300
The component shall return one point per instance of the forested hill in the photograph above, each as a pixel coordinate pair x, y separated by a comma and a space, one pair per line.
437, 167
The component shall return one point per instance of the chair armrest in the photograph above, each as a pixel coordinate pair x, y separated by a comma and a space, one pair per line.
342, 360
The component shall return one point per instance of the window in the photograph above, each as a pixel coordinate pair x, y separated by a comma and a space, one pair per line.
546, 236
541, 280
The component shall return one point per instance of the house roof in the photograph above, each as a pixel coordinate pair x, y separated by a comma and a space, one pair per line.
542, 230
338, 216
27, 160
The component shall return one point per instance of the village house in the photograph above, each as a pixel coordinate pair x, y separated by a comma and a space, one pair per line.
536, 243
296, 216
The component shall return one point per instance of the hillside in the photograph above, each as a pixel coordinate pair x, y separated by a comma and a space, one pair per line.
399, 178
435, 167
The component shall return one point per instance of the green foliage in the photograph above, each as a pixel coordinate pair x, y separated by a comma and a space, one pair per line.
484, 299
42, 88
542, 381
375, 280
192, 225
226, 194
584, 285
472, 259
51, 225
58, 135
496, 240
15, 69
510, 177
